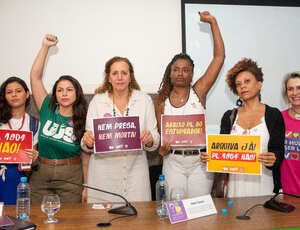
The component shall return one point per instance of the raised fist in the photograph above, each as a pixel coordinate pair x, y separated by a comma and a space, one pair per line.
50, 40
205, 16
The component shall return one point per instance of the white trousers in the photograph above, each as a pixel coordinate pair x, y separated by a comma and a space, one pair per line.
125, 173
188, 173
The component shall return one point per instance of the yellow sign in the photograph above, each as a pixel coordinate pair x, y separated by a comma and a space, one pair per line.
236, 154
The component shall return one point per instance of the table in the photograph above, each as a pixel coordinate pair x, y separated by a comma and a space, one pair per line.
82, 216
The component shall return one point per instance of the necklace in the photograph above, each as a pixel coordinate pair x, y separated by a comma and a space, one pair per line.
114, 109
297, 115
182, 98
61, 120
22, 124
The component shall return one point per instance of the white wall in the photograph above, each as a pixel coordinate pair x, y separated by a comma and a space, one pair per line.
149, 34
268, 35
90, 32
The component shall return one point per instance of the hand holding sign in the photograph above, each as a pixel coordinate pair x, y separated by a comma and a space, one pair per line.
267, 159
147, 138
204, 157
32, 154
88, 139
165, 149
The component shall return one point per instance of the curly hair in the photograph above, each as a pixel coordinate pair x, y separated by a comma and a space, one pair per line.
287, 77
106, 85
79, 107
166, 86
5, 109
246, 64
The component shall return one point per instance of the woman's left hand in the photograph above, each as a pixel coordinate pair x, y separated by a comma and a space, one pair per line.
32, 154
147, 138
205, 16
267, 159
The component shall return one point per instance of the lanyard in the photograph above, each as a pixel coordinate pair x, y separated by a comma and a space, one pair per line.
23, 119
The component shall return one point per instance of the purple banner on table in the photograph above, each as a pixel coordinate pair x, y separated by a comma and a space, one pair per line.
116, 134
176, 211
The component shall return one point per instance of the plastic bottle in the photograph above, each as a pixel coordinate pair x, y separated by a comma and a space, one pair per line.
23, 199
161, 196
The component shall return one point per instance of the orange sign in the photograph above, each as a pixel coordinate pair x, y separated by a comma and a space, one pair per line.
236, 154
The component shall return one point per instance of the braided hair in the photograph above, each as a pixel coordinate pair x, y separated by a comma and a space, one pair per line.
166, 86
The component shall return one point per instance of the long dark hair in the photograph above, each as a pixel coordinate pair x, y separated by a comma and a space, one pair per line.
5, 109
166, 86
79, 107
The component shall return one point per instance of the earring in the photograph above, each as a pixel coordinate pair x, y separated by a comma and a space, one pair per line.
109, 87
239, 102
259, 97
130, 86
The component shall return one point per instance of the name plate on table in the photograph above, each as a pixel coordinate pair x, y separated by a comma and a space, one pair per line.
114, 134
12, 145
237, 154
183, 210
183, 131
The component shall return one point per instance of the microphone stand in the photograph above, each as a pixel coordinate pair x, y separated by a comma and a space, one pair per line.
128, 209
272, 204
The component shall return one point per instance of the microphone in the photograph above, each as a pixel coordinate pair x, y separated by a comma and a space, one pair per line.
128, 209
280, 206
272, 204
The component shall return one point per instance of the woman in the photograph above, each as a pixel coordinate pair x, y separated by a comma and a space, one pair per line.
176, 96
290, 167
125, 173
62, 118
14, 99
257, 119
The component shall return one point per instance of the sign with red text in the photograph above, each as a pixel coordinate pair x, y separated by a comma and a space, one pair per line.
183, 131
12, 145
236, 154
114, 134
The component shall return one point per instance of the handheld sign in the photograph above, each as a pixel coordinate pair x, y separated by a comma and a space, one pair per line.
12, 145
115, 134
183, 131
236, 154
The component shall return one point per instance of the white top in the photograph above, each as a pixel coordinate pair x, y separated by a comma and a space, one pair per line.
240, 185
17, 123
140, 104
192, 106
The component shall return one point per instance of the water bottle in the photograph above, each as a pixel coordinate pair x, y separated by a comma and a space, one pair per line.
161, 196
23, 199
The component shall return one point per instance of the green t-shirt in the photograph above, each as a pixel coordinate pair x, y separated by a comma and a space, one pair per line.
56, 139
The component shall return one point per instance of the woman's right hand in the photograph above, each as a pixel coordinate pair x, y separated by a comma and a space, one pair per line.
50, 40
88, 139
204, 157
164, 149
84, 195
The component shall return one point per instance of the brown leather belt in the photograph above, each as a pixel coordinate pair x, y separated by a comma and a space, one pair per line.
68, 161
